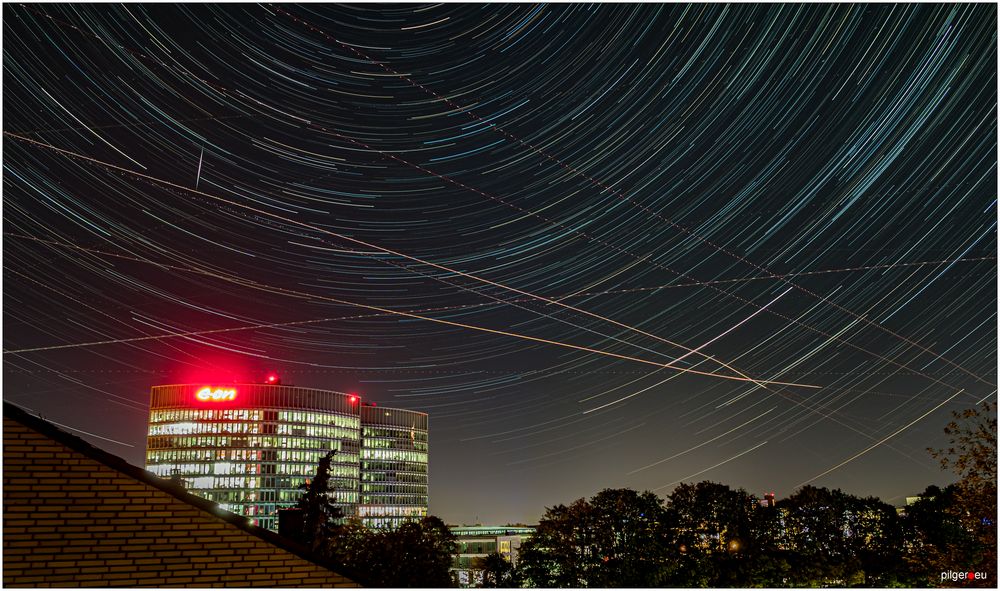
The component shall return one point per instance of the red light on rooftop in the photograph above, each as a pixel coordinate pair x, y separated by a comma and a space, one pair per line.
353, 399
272, 379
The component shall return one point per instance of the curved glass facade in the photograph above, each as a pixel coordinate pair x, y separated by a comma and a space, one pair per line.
249, 447
393, 466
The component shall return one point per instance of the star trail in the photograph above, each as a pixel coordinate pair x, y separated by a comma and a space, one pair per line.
601, 245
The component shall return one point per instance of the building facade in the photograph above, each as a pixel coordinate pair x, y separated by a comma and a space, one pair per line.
393, 466
250, 447
476, 542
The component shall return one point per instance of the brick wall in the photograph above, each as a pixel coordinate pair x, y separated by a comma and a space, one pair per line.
72, 520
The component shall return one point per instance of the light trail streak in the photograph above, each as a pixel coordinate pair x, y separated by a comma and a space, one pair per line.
716, 338
619, 194
615, 192
803, 404
576, 447
294, 323
728, 144
285, 291
76, 155
581, 294
418, 167
702, 444
880, 442
739, 455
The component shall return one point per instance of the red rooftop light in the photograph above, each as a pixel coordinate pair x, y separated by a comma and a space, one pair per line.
272, 379
353, 399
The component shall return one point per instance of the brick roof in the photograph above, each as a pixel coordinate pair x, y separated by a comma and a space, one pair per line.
19, 415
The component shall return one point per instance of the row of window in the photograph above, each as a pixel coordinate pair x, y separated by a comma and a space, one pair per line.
394, 471
393, 454
415, 488
394, 433
391, 511
222, 482
225, 468
395, 499
317, 418
406, 444
192, 414
386, 522
286, 496
478, 547
190, 427
177, 456
394, 478
317, 446
240, 428
254, 415
239, 500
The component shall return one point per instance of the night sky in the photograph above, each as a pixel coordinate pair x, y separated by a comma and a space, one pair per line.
602, 246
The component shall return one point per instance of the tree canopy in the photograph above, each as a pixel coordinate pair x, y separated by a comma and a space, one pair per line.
707, 534
320, 514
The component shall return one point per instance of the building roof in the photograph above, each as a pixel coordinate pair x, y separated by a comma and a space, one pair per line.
491, 530
11, 411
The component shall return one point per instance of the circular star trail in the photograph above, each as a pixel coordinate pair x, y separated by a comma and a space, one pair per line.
603, 246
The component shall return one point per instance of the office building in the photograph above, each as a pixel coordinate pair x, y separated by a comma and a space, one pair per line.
393, 466
250, 447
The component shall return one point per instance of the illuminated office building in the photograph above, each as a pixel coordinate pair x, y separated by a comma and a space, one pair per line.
249, 447
393, 466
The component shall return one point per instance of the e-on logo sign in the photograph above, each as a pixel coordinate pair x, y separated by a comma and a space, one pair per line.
216, 394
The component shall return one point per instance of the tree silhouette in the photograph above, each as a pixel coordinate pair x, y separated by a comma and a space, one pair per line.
498, 572
561, 551
320, 514
935, 537
972, 455
418, 554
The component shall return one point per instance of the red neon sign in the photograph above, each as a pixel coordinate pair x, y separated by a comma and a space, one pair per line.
216, 394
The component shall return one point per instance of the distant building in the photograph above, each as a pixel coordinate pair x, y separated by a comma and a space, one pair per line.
902, 511
250, 447
479, 541
767, 501
77, 516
